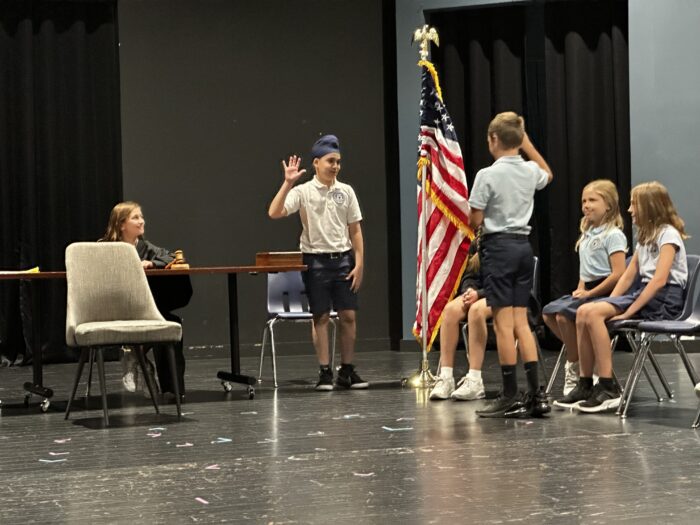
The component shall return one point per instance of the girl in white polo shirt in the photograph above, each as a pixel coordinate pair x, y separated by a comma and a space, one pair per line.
601, 248
660, 263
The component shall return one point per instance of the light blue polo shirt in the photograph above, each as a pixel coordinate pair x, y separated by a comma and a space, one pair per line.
505, 192
594, 252
648, 257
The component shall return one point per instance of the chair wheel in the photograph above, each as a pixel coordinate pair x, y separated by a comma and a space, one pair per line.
227, 386
45, 404
251, 392
27, 398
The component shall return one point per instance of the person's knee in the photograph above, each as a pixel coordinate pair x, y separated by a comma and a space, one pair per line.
347, 318
322, 320
453, 313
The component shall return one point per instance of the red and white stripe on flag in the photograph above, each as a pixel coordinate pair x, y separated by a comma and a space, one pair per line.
447, 211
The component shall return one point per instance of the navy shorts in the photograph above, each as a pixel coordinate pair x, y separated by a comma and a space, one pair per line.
507, 267
567, 305
325, 282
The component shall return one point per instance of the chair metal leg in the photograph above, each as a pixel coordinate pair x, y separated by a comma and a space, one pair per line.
686, 361
643, 351
262, 351
89, 380
645, 369
334, 322
555, 371
540, 358
466, 343
174, 379
660, 373
696, 423
81, 363
633, 370
103, 384
142, 365
274, 353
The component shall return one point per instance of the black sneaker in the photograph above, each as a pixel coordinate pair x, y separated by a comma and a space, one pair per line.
536, 403
577, 395
503, 406
348, 378
600, 400
325, 379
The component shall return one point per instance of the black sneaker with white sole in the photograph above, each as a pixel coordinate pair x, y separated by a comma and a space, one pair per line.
577, 395
348, 378
600, 400
325, 379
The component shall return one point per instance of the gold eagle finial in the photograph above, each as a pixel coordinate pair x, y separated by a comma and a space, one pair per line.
424, 35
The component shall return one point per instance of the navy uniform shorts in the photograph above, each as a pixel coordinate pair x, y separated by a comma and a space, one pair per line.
507, 267
326, 284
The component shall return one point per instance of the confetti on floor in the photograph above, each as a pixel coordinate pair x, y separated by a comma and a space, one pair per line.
389, 429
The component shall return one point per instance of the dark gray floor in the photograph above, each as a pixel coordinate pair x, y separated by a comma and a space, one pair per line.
385, 455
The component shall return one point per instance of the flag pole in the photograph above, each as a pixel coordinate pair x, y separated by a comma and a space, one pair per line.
423, 378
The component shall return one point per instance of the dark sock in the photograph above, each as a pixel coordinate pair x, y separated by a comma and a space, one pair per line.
346, 366
510, 380
533, 382
586, 382
607, 383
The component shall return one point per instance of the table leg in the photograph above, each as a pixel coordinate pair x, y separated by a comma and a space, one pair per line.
36, 386
234, 376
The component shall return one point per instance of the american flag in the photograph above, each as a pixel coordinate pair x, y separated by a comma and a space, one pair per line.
447, 212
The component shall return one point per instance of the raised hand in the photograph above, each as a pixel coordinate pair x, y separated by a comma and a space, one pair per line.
291, 169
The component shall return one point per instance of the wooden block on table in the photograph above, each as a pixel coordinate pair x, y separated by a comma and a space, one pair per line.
278, 259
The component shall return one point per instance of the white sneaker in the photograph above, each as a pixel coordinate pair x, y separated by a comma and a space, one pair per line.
443, 388
469, 389
570, 376
129, 381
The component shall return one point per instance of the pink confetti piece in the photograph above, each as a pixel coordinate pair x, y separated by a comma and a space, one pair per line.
154, 434
188, 444
58, 453
202, 501
52, 460
212, 467
61, 441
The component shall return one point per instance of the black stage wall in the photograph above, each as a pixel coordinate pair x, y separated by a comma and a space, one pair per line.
214, 94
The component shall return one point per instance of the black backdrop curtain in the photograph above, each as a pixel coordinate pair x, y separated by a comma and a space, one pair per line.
60, 151
564, 66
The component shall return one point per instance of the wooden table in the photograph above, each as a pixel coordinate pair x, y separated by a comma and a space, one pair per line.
227, 377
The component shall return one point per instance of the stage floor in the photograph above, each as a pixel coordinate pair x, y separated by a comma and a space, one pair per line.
385, 455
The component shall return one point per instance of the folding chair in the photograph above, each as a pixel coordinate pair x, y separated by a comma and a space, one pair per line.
687, 323
287, 302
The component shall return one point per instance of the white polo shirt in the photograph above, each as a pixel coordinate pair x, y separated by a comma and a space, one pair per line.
325, 215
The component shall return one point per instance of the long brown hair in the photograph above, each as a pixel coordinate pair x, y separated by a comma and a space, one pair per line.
120, 213
654, 209
612, 218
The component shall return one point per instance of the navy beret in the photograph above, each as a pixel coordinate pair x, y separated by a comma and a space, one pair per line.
325, 145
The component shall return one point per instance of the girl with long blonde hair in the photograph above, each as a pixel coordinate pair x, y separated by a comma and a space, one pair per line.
601, 247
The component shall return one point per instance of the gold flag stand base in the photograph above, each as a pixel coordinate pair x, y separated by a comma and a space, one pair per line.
421, 378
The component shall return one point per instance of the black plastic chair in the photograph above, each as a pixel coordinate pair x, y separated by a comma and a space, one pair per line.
287, 302
647, 331
534, 316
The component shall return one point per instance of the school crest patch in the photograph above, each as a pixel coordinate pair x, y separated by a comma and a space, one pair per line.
339, 197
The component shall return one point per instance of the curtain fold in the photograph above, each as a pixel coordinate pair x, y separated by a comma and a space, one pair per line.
60, 152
